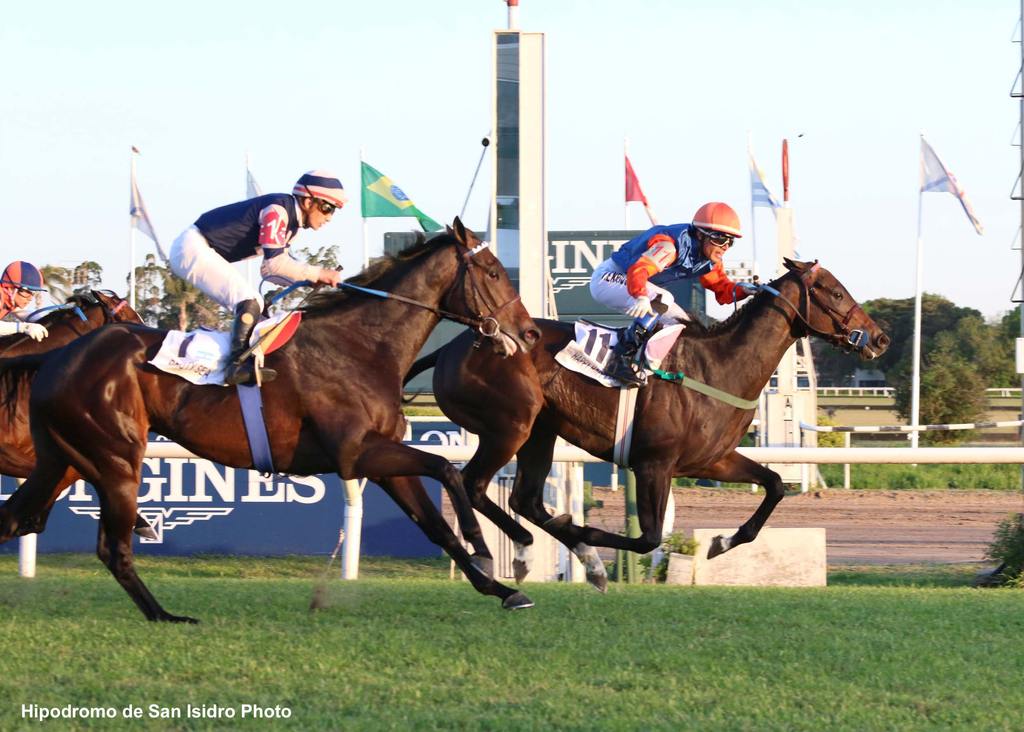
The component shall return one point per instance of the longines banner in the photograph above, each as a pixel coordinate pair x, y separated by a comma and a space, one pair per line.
200, 507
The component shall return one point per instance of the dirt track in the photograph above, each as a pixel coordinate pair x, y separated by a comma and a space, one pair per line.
862, 527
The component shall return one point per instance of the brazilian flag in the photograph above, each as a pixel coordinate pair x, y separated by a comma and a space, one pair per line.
383, 199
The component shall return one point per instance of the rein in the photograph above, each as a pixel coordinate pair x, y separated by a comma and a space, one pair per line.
855, 338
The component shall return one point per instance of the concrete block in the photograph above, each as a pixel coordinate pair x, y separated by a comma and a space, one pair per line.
680, 569
777, 558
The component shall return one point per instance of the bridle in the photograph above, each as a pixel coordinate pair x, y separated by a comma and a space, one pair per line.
486, 324
843, 336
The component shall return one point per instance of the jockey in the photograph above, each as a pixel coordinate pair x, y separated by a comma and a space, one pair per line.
17, 283
202, 254
629, 280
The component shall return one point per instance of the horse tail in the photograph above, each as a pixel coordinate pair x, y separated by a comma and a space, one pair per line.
423, 364
15, 372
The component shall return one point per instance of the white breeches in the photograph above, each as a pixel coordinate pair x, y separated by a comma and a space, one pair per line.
196, 262
608, 287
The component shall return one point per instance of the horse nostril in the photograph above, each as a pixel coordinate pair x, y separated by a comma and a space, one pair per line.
532, 335
883, 340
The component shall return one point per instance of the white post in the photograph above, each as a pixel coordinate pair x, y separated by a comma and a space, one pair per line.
366, 234
131, 243
625, 204
353, 528
846, 466
513, 14
574, 491
915, 397
26, 552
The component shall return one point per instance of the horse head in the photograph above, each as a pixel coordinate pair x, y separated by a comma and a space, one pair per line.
115, 308
828, 310
484, 293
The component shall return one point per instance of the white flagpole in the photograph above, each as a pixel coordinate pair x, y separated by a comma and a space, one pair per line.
131, 242
625, 157
248, 262
915, 403
366, 229
753, 227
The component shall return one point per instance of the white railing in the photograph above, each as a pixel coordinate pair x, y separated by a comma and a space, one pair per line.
572, 454
1003, 391
857, 391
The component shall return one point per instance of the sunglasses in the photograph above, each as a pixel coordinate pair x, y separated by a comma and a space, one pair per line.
326, 208
24, 291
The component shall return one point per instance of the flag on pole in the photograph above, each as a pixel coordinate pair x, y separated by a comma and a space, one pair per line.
252, 188
138, 213
937, 178
383, 199
634, 192
759, 193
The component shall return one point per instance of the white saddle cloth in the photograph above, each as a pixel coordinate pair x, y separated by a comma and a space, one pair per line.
592, 348
201, 356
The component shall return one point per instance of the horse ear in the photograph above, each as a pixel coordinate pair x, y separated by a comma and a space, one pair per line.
792, 265
460, 230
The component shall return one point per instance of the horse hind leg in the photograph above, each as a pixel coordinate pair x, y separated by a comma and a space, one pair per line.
26, 510
114, 549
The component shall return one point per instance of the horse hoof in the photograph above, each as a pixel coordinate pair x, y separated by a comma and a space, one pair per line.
484, 564
598, 581
517, 601
719, 545
168, 618
519, 570
143, 528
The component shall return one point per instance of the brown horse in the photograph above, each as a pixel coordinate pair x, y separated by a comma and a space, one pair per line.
81, 314
335, 406
519, 406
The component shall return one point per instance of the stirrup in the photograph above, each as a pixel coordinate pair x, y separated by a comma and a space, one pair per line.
625, 375
245, 373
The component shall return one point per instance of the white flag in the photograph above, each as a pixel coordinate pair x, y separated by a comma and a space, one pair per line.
252, 188
759, 193
140, 217
937, 178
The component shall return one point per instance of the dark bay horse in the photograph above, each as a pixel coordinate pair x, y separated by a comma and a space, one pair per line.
519, 406
335, 406
81, 314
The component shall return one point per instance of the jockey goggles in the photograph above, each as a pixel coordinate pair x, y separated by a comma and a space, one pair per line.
324, 207
717, 238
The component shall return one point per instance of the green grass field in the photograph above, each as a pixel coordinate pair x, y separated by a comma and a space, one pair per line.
882, 648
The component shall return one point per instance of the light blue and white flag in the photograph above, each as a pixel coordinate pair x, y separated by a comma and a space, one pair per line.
138, 213
937, 178
759, 193
252, 188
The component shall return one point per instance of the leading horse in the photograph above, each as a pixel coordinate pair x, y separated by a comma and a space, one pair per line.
335, 406
82, 313
518, 407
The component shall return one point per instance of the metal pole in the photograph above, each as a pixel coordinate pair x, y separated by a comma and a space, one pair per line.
353, 528
1021, 141
846, 466
632, 528
27, 552
915, 396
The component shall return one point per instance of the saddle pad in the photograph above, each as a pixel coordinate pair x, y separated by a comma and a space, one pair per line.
591, 350
200, 356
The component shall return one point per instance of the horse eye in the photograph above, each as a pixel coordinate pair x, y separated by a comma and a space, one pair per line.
493, 274
837, 295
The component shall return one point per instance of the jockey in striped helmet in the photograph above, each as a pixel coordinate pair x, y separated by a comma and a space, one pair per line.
629, 280
17, 284
265, 225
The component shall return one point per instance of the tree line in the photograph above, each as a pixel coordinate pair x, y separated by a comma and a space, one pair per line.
961, 356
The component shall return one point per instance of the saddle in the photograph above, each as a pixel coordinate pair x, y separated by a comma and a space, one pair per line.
591, 349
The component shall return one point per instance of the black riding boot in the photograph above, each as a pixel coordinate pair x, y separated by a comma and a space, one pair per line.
239, 370
623, 366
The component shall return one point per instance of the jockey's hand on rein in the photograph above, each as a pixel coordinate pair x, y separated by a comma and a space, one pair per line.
640, 308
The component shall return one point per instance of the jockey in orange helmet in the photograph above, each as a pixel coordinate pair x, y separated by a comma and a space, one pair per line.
203, 253
629, 280
17, 284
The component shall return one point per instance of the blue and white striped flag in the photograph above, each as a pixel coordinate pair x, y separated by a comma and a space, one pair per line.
759, 193
937, 178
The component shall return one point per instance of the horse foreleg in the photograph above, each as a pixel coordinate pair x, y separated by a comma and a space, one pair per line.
735, 468
411, 497
382, 458
490, 456
114, 548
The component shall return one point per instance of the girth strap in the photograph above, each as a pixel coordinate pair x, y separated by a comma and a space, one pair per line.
251, 399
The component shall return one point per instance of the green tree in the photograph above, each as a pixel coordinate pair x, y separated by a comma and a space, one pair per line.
58, 281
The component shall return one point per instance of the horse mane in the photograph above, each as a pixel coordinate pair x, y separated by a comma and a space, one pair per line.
327, 298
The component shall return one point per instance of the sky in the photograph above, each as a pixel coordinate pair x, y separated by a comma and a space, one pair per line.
198, 86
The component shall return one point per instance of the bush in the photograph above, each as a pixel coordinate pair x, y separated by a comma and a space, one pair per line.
677, 543
1007, 547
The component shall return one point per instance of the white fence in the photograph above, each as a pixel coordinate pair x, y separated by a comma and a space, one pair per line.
571, 454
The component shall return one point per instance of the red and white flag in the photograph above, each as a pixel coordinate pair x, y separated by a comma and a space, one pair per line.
634, 192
